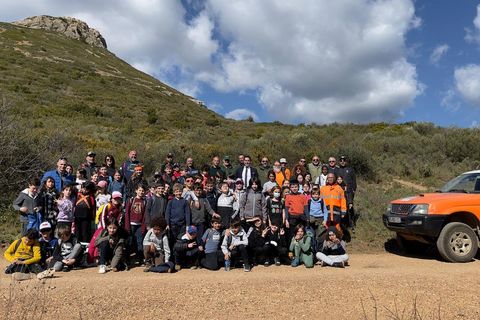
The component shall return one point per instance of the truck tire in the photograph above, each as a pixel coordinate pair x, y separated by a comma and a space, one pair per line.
457, 242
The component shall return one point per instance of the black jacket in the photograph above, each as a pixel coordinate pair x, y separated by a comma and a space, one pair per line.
253, 173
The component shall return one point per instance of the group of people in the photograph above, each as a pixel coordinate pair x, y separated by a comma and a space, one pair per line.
217, 215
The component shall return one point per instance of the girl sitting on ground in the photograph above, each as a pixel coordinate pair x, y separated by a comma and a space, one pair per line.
301, 248
111, 244
333, 251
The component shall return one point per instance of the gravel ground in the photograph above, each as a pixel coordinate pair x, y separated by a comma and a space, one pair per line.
375, 286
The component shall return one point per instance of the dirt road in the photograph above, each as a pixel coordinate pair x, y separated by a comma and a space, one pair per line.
434, 289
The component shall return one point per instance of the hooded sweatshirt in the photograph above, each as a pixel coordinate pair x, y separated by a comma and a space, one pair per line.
253, 203
25, 199
236, 240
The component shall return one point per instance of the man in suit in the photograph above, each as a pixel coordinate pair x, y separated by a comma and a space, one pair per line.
246, 173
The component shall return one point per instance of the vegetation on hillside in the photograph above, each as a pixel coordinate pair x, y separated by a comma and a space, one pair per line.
64, 97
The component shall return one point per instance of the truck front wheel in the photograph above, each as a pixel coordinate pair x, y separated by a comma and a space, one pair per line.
457, 242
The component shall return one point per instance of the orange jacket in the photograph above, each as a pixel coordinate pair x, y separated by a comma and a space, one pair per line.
280, 176
334, 199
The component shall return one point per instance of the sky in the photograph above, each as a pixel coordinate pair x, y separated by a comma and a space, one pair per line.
302, 61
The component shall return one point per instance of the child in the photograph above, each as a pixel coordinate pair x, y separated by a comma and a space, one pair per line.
47, 201
186, 250
135, 212
168, 176
322, 179
65, 207
211, 241
225, 205
24, 255
118, 185
296, 207
177, 214
315, 215
257, 241
306, 190
301, 248
102, 196
157, 204
84, 212
48, 243
27, 204
111, 210
253, 204
211, 194
81, 178
103, 174
68, 252
275, 208
238, 193
276, 243
155, 244
333, 252
271, 183
234, 245
200, 210
111, 245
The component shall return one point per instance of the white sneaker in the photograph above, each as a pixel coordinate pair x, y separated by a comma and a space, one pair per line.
102, 269
20, 276
46, 274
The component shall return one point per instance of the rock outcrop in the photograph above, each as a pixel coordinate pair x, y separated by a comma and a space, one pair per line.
70, 27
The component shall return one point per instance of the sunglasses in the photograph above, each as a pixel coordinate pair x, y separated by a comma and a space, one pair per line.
189, 180
331, 161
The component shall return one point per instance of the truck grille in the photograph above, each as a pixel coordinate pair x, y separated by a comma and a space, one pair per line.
402, 209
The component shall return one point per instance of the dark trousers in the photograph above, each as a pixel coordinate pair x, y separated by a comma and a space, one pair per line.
200, 232
136, 241
174, 232
187, 258
163, 268
239, 252
225, 216
23, 268
213, 260
83, 229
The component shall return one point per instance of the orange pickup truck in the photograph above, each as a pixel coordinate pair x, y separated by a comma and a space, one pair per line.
448, 218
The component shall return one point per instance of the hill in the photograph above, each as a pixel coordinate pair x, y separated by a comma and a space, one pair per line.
62, 96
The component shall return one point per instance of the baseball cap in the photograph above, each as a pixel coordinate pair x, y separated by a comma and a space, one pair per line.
343, 157
169, 155
283, 160
91, 154
239, 180
192, 230
102, 184
116, 195
226, 158
45, 225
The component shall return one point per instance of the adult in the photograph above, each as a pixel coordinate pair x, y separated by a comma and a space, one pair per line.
349, 177
190, 167
315, 168
168, 160
128, 167
264, 169
228, 168
89, 165
59, 175
216, 170
286, 172
279, 173
333, 197
302, 162
241, 158
246, 173
332, 166
109, 162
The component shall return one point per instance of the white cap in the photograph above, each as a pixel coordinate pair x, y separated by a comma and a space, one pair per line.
45, 225
283, 160
116, 194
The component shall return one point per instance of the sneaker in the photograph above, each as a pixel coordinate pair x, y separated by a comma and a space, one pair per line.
178, 267
46, 274
20, 276
277, 261
102, 269
148, 264
146, 269
323, 264
247, 268
267, 263
295, 263
338, 265
66, 269
227, 265
193, 267
114, 269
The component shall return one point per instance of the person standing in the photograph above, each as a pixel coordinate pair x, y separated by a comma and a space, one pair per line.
216, 170
128, 167
333, 197
247, 173
349, 177
264, 169
228, 168
60, 175
90, 166
315, 168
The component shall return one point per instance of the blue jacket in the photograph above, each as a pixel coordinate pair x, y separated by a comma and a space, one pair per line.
178, 212
60, 181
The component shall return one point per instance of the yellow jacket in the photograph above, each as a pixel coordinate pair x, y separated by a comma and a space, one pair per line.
29, 254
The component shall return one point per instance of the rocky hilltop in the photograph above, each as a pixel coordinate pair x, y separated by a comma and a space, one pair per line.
68, 26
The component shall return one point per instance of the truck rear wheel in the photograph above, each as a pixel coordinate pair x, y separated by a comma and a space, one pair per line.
457, 242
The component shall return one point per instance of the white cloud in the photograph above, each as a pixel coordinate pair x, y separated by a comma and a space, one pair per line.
473, 36
449, 101
307, 60
241, 114
467, 83
438, 53
218, 108
318, 61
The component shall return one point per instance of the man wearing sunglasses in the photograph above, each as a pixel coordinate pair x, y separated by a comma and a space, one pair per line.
348, 175
315, 168
332, 166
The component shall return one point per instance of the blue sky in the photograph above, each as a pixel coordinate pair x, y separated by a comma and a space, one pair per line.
302, 61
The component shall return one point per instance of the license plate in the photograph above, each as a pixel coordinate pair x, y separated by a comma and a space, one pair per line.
394, 219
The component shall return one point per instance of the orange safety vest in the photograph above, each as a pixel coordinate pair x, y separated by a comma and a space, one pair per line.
334, 198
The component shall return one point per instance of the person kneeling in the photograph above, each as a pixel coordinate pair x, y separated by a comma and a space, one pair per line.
333, 251
156, 249
234, 245
301, 248
186, 250
111, 245
24, 256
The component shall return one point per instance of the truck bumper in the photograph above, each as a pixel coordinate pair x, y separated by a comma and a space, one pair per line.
426, 226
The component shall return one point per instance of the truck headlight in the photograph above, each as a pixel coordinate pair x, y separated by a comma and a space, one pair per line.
420, 210
389, 208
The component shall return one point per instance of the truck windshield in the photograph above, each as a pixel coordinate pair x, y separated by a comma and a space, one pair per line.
466, 183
